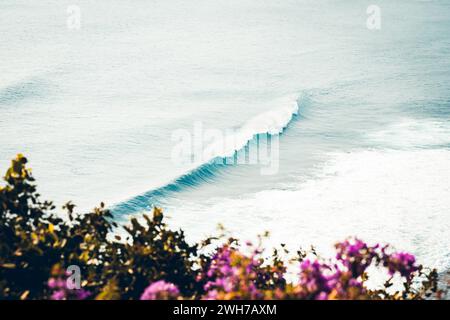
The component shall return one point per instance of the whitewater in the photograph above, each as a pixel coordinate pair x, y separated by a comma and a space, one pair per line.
358, 119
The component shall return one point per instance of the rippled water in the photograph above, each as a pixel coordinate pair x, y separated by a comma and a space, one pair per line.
367, 153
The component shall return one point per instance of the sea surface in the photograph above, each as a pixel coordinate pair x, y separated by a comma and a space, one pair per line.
358, 119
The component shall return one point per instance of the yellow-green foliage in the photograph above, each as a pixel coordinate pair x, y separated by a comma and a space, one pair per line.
35, 244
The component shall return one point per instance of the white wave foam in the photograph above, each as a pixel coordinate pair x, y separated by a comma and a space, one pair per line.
272, 122
397, 197
409, 132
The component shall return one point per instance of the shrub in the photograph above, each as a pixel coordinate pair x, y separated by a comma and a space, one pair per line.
147, 260
36, 244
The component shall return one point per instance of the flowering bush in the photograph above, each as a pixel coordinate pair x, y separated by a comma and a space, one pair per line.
234, 275
149, 261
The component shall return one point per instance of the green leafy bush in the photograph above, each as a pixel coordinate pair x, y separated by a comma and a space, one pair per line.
37, 244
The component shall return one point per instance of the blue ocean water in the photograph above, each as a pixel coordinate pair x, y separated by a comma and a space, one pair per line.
362, 116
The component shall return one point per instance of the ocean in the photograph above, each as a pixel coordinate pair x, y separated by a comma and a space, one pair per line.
105, 97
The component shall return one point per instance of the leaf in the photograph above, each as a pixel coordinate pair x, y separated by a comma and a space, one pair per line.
24, 295
109, 292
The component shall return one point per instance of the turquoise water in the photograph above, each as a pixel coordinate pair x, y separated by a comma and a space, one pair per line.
366, 152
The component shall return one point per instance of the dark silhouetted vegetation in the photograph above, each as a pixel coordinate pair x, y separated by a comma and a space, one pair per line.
147, 260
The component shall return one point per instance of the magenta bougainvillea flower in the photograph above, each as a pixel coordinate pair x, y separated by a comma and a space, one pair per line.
233, 275
62, 291
356, 255
160, 290
401, 262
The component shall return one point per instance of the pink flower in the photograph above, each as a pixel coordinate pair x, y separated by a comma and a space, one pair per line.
355, 255
160, 290
314, 283
232, 275
401, 262
61, 291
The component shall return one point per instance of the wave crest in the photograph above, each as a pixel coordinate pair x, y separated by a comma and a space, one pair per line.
272, 122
